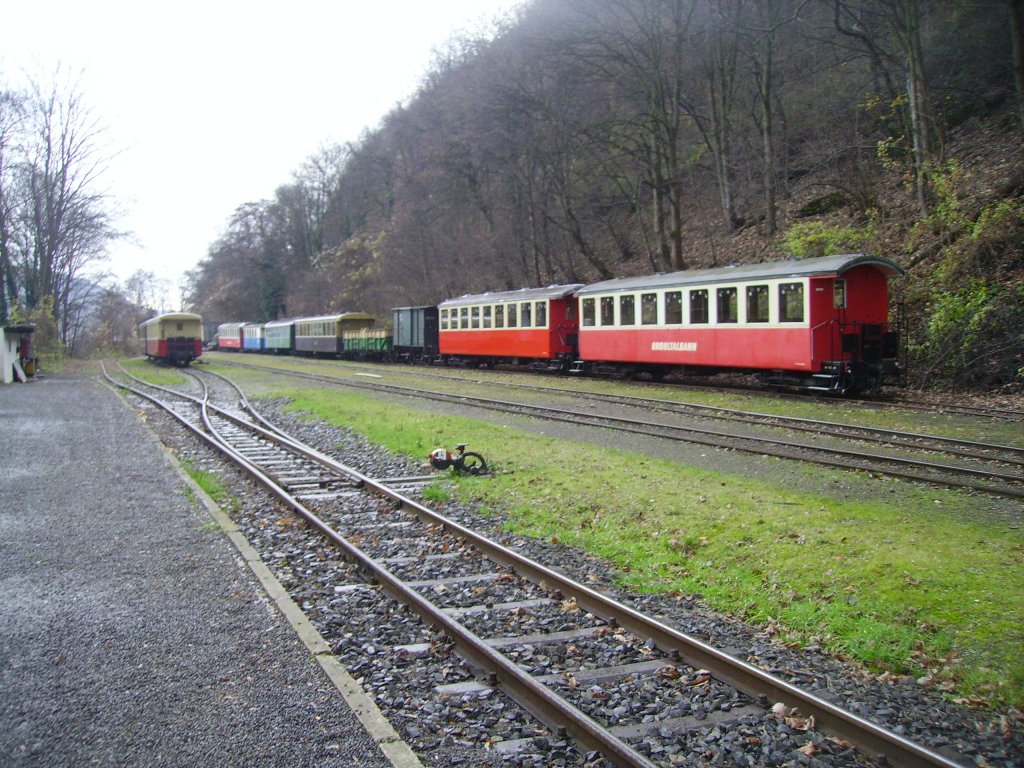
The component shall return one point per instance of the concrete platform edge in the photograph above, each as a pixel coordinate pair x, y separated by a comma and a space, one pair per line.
384, 735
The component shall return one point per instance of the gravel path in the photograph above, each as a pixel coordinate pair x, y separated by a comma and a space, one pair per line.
130, 631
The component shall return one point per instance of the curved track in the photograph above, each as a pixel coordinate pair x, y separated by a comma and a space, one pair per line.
981, 467
316, 487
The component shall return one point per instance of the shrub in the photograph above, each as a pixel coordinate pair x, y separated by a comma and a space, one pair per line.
816, 238
972, 337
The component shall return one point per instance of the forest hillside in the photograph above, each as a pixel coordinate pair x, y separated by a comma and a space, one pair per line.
588, 139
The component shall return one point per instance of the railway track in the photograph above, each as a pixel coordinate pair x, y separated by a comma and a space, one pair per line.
492, 602
879, 402
982, 467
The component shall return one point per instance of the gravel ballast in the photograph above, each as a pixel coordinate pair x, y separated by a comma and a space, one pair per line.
132, 632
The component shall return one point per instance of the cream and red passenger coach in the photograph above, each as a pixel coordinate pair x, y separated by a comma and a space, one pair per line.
174, 337
820, 323
533, 324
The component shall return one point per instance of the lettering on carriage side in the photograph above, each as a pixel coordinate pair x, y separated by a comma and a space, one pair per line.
673, 346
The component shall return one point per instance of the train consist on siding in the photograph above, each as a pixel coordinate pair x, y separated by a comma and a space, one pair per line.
820, 324
175, 337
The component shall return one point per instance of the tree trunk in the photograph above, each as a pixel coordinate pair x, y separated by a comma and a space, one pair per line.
767, 138
920, 120
1016, 8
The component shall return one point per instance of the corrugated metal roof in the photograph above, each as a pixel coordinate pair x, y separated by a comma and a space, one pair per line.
773, 270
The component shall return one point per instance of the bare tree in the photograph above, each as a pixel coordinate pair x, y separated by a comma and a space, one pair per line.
890, 30
66, 220
11, 117
1016, 9
639, 46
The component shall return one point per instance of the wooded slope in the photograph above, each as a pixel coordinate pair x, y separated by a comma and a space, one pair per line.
587, 139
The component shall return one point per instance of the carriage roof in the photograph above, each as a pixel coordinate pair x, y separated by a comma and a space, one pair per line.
524, 294
334, 318
173, 317
774, 270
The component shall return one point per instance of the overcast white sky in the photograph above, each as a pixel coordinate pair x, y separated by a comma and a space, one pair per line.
213, 104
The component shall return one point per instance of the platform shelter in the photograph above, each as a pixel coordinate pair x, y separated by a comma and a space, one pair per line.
16, 359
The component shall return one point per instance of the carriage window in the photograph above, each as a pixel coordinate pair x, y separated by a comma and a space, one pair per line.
791, 302
674, 308
607, 310
180, 326
444, 319
757, 303
589, 316
727, 309
512, 321
541, 313
499, 316
474, 316
699, 306
525, 320
839, 293
627, 310
649, 308
487, 317
463, 317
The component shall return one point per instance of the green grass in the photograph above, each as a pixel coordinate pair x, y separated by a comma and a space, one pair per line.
921, 585
151, 372
483, 383
211, 485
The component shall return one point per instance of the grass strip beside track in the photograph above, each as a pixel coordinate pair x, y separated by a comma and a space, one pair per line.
913, 587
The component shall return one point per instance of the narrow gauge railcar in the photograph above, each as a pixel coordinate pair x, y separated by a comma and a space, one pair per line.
537, 325
229, 336
253, 337
174, 337
324, 335
414, 334
820, 324
367, 344
279, 337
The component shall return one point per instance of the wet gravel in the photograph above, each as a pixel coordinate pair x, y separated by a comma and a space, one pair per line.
130, 632
364, 627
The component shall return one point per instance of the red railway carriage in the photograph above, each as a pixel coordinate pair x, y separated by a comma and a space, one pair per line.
175, 337
229, 336
533, 324
819, 323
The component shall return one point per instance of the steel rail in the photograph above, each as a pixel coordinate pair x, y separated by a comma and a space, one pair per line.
878, 742
971, 449
797, 423
869, 737
712, 438
532, 695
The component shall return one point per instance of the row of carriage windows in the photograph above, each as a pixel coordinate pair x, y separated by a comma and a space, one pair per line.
644, 309
317, 328
522, 314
